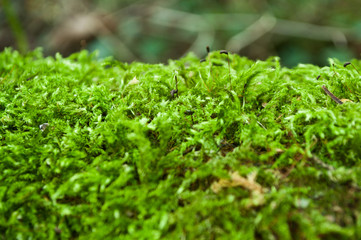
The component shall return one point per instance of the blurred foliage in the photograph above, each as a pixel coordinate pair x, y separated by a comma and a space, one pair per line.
155, 31
15, 25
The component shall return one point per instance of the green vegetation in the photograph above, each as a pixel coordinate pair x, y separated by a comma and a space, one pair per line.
117, 155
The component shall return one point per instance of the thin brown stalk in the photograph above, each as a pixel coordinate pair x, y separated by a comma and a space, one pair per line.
348, 63
229, 67
334, 98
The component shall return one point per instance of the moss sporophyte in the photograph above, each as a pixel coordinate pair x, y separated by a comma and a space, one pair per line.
226, 148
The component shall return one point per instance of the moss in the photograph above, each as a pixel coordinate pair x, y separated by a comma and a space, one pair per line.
132, 150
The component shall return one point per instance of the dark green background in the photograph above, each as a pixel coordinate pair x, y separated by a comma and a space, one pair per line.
154, 31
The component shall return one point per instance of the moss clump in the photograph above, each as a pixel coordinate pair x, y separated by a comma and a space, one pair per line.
119, 154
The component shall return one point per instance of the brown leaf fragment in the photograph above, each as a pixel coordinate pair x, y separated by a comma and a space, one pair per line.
237, 180
279, 150
249, 183
134, 81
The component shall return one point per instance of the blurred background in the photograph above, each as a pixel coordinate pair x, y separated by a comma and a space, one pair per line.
308, 31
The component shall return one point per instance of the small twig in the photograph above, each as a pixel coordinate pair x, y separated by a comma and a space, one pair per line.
334, 98
259, 123
321, 163
279, 116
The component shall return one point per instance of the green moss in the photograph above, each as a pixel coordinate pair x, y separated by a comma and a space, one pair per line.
121, 157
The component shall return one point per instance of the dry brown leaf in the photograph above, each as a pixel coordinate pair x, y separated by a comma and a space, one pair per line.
249, 183
133, 81
237, 180
278, 150
345, 100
